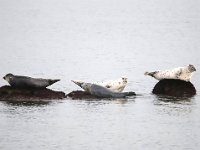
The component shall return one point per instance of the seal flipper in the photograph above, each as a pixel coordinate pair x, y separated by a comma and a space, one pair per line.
150, 73
53, 81
129, 93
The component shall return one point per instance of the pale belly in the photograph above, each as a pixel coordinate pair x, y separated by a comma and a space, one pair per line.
165, 75
173, 75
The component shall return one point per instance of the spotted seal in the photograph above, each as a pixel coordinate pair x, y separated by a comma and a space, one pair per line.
103, 92
181, 73
28, 82
117, 85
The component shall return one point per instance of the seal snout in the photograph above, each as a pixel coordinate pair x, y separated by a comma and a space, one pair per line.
124, 79
4, 77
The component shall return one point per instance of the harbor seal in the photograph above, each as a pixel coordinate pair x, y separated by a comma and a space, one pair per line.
28, 82
103, 92
114, 85
181, 73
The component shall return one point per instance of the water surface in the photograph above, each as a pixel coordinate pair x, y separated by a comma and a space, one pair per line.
95, 40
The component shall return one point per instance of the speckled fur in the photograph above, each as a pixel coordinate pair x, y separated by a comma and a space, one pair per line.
181, 73
114, 85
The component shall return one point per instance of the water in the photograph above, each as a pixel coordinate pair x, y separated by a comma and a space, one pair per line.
96, 40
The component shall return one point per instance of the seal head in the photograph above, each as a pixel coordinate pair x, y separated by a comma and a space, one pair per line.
191, 68
8, 77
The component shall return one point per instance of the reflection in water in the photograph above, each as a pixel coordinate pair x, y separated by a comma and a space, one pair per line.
104, 101
173, 106
27, 103
173, 99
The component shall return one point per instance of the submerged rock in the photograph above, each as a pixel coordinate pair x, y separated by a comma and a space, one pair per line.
174, 87
8, 93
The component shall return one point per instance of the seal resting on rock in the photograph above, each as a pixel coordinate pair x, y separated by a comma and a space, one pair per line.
103, 92
28, 82
181, 73
114, 85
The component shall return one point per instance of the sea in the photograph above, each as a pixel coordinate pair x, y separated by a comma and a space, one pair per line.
98, 40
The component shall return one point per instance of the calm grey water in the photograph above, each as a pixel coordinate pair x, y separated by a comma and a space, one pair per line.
96, 40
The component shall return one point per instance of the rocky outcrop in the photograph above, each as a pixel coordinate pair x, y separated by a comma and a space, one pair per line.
8, 93
173, 87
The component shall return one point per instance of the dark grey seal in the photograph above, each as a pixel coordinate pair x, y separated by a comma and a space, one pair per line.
28, 82
102, 92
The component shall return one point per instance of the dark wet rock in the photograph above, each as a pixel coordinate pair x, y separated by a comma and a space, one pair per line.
173, 87
85, 95
80, 95
8, 93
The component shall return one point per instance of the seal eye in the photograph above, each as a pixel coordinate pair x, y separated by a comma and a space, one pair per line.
108, 86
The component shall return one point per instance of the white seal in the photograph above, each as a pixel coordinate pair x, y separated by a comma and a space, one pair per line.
114, 85
181, 73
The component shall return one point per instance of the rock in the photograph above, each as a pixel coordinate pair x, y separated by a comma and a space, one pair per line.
174, 87
8, 93
80, 95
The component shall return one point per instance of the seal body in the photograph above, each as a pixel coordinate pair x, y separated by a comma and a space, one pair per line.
103, 92
28, 82
114, 85
181, 73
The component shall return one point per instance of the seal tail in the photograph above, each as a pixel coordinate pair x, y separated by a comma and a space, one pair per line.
129, 93
53, 81
150, 73
79, 83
